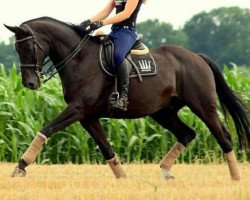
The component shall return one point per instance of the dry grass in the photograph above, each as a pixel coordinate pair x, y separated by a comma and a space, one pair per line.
97, 182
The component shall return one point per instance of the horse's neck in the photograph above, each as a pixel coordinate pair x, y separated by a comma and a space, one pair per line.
62, 45
63, 41
70, 51
81, 66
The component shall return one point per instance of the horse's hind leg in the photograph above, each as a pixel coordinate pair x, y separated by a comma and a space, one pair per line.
169, 119
205, 108
97, 132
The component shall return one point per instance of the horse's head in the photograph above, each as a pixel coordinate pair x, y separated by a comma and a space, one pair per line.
31, 54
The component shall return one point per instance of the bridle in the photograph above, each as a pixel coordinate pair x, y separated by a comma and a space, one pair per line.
59, 66
36, 45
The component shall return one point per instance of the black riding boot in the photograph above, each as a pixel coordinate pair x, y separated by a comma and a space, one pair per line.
123, 83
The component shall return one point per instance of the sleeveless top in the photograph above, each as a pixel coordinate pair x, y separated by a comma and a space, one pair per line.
131, 21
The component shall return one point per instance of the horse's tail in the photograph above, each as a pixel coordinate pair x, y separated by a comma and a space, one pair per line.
231, 103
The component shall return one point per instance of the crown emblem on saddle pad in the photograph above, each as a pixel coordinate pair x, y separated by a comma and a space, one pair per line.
145, 65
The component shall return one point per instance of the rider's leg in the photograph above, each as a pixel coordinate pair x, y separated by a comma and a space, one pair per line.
123, 39
123, 83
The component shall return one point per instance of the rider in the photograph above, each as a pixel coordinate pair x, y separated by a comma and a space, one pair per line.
123, 34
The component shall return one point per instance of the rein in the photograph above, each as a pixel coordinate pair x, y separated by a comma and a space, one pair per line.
65, 61
59, 66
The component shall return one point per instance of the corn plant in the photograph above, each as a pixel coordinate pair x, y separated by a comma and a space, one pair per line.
23, 112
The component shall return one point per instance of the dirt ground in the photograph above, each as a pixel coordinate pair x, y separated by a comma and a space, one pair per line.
83, 182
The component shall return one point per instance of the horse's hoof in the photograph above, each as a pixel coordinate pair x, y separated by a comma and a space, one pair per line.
18, 172
167, 175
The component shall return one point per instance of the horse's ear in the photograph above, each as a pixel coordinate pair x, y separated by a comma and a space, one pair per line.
14, 29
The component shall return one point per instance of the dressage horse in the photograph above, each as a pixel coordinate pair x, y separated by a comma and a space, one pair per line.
183, 78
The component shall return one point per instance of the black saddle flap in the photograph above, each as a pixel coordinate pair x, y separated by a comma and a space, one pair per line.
138, 65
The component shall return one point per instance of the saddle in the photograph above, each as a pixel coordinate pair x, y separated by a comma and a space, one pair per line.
139, 61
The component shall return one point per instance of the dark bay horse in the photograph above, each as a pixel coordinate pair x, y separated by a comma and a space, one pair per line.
183, 79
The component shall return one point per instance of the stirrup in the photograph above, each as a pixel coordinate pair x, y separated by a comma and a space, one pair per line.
120, 104
113, 98
124, 105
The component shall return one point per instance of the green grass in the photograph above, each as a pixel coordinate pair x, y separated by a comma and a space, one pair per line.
24, 112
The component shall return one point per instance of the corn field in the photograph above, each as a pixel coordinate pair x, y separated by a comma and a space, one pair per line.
24, 112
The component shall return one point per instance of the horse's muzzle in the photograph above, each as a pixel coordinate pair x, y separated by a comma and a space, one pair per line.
31, 85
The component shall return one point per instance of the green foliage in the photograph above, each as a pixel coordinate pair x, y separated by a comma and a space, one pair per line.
156, 33
8, 55
23, 112
223, 34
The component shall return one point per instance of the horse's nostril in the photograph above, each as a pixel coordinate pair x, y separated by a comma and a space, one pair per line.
30, 85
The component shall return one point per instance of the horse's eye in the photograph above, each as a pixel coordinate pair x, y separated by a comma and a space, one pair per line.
27, 49
30, 48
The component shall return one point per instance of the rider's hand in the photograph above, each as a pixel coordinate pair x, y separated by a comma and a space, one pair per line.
95, 26
85, 24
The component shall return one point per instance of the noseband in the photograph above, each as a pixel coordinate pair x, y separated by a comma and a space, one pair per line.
36, 45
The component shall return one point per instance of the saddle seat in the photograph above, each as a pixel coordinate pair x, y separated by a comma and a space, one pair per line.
137, 49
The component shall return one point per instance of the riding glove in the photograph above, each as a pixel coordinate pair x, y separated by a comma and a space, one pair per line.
85, 24
94, 26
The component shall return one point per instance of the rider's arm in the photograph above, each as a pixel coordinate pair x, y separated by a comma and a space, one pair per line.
125, 14
104, 13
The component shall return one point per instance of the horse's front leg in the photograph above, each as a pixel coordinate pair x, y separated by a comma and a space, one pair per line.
97, 132
74, 112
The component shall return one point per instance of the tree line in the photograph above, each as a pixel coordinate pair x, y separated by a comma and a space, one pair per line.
223, 34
